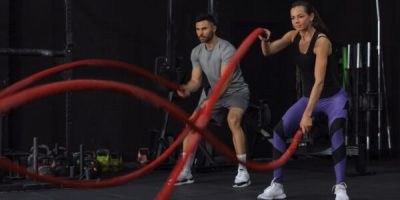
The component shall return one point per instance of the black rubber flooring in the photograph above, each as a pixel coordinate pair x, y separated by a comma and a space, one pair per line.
310, 178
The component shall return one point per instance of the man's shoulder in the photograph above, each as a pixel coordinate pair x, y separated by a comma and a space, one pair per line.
222, 43
197, 48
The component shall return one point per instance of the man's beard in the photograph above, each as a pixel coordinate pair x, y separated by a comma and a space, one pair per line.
208, 38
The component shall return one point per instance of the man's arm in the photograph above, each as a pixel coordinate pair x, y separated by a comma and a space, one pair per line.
193, 85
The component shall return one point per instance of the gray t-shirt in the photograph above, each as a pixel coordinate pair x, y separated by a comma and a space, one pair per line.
210, 62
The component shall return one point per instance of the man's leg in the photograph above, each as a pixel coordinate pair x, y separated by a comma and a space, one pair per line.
185, 146
235, 116
186, 177
234, 119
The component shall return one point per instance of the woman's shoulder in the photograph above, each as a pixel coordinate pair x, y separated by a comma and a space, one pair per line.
322, 36
291, 35
323, 39
323, 42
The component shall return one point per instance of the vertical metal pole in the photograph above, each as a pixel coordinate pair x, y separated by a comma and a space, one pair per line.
362, 126
368, 96
344, 85
169, 43
56, 149
381, 80
67, 75
348, 73
357, 93
68, 25
35, 155
170, 65
378, 47
358, 59
81, 161
368, 54
164, 127
211, 9
348, 56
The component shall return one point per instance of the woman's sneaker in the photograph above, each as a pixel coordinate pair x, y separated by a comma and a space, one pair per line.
340, 191
274, 191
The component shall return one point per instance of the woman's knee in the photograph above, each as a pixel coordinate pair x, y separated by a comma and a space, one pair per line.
337, 124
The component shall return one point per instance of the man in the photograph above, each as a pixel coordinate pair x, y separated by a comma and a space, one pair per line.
211, 57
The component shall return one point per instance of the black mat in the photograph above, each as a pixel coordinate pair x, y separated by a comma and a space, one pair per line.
310, 178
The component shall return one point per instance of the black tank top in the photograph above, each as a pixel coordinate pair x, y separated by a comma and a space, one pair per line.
306, 63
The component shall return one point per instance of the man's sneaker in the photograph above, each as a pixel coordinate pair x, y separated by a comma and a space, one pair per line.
185, 177
274, 191
242, 179
340, 191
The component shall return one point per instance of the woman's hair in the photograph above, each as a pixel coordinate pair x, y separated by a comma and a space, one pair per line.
317, 21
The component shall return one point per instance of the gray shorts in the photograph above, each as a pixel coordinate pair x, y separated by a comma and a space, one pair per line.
239, 99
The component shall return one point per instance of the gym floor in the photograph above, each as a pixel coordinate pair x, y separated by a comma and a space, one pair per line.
305, 178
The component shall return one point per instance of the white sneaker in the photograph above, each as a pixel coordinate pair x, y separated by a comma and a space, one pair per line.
242, 179
340, 191
274, 191
185, 177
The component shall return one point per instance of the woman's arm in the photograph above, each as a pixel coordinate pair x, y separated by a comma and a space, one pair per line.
322, 50
269, 48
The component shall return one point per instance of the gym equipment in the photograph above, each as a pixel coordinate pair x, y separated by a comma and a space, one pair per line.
257, 120
104, 158
85, 164
382, 94
167, 66
40, 159
116, 162
143, 156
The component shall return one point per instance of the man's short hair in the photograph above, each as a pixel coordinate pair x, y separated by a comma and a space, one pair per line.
206, 17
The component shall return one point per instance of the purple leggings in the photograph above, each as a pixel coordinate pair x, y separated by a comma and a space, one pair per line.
334, 108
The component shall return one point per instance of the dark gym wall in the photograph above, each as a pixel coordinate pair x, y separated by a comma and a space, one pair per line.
4, 61
35, 25
127, 31
135, 32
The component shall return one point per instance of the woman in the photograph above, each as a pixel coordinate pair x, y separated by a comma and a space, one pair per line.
321, 92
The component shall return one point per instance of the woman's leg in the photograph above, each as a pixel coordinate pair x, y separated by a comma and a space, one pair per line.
334, 108
285, 128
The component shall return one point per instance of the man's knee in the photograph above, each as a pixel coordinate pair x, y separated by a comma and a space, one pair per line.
234, 121
234, 118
